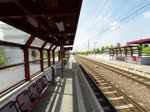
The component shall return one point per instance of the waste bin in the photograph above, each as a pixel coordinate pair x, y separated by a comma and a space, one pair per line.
133, 58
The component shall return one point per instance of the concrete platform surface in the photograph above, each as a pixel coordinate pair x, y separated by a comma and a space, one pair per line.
69, 94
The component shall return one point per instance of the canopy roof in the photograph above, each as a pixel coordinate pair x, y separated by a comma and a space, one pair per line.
68, 48
124, 47
54, 21
141, 41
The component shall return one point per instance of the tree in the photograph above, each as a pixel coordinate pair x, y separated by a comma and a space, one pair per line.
111, 46
2, 57
102, 49
34, 54
45, 55
98, 51
146, 50
145, 45
118, 44
106, 47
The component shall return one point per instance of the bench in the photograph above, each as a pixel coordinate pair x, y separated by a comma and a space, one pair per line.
29, 98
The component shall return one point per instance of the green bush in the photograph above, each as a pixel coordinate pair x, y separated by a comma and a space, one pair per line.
146, 50
2, 57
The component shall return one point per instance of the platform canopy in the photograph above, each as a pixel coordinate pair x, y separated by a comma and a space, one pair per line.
68, 48
54, 21
141, 41
119, 47
123, 47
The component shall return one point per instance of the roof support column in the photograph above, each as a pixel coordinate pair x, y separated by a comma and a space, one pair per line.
116, 52
41, 56
26, 65
131, 51
26, 58
53, 54
49, 55
125, 54
59, 56
140, 50
53, 68
62, 54
120, 52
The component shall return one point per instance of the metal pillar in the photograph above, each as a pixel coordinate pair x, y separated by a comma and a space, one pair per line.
53, 54
62, 60
41, 56
41, 60
26, 66
53, 70
59, 56
116, 52
126, 54
26, 58
49, 57
131, 51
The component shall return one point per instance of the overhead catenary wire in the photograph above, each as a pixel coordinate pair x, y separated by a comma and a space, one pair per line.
133, 14
120, 21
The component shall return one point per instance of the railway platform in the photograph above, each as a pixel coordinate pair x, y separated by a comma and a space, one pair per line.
143, 70
70, 94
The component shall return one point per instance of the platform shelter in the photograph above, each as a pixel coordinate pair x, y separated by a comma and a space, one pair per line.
131, 53
125, 53
145, 59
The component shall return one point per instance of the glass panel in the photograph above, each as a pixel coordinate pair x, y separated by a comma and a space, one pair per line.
11, 76
11, 34
48, 45
34, 54
45, 63
45, 54
34, 67
53, 47
37, 42
10, 55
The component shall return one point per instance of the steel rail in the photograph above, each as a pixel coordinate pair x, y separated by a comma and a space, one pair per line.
91, 71
122, 72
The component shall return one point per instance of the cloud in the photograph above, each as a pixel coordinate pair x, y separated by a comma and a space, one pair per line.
115, 25
146, 15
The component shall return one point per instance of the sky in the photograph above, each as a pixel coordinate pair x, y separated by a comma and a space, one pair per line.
107, 22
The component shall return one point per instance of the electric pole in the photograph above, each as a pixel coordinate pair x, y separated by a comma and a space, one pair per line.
88, 47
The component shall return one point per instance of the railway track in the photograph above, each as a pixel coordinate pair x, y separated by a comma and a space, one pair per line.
121, 101
137, 78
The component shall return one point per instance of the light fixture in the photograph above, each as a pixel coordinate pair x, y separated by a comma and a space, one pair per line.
60, 26
32, 21
67, 42
50, 35
69, 34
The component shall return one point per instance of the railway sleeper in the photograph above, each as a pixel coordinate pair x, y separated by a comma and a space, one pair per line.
97, 78
116, 98
140, 79
121, 107
101, 84
112, 95
147, 82
110, 92
134, 77
105, 87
